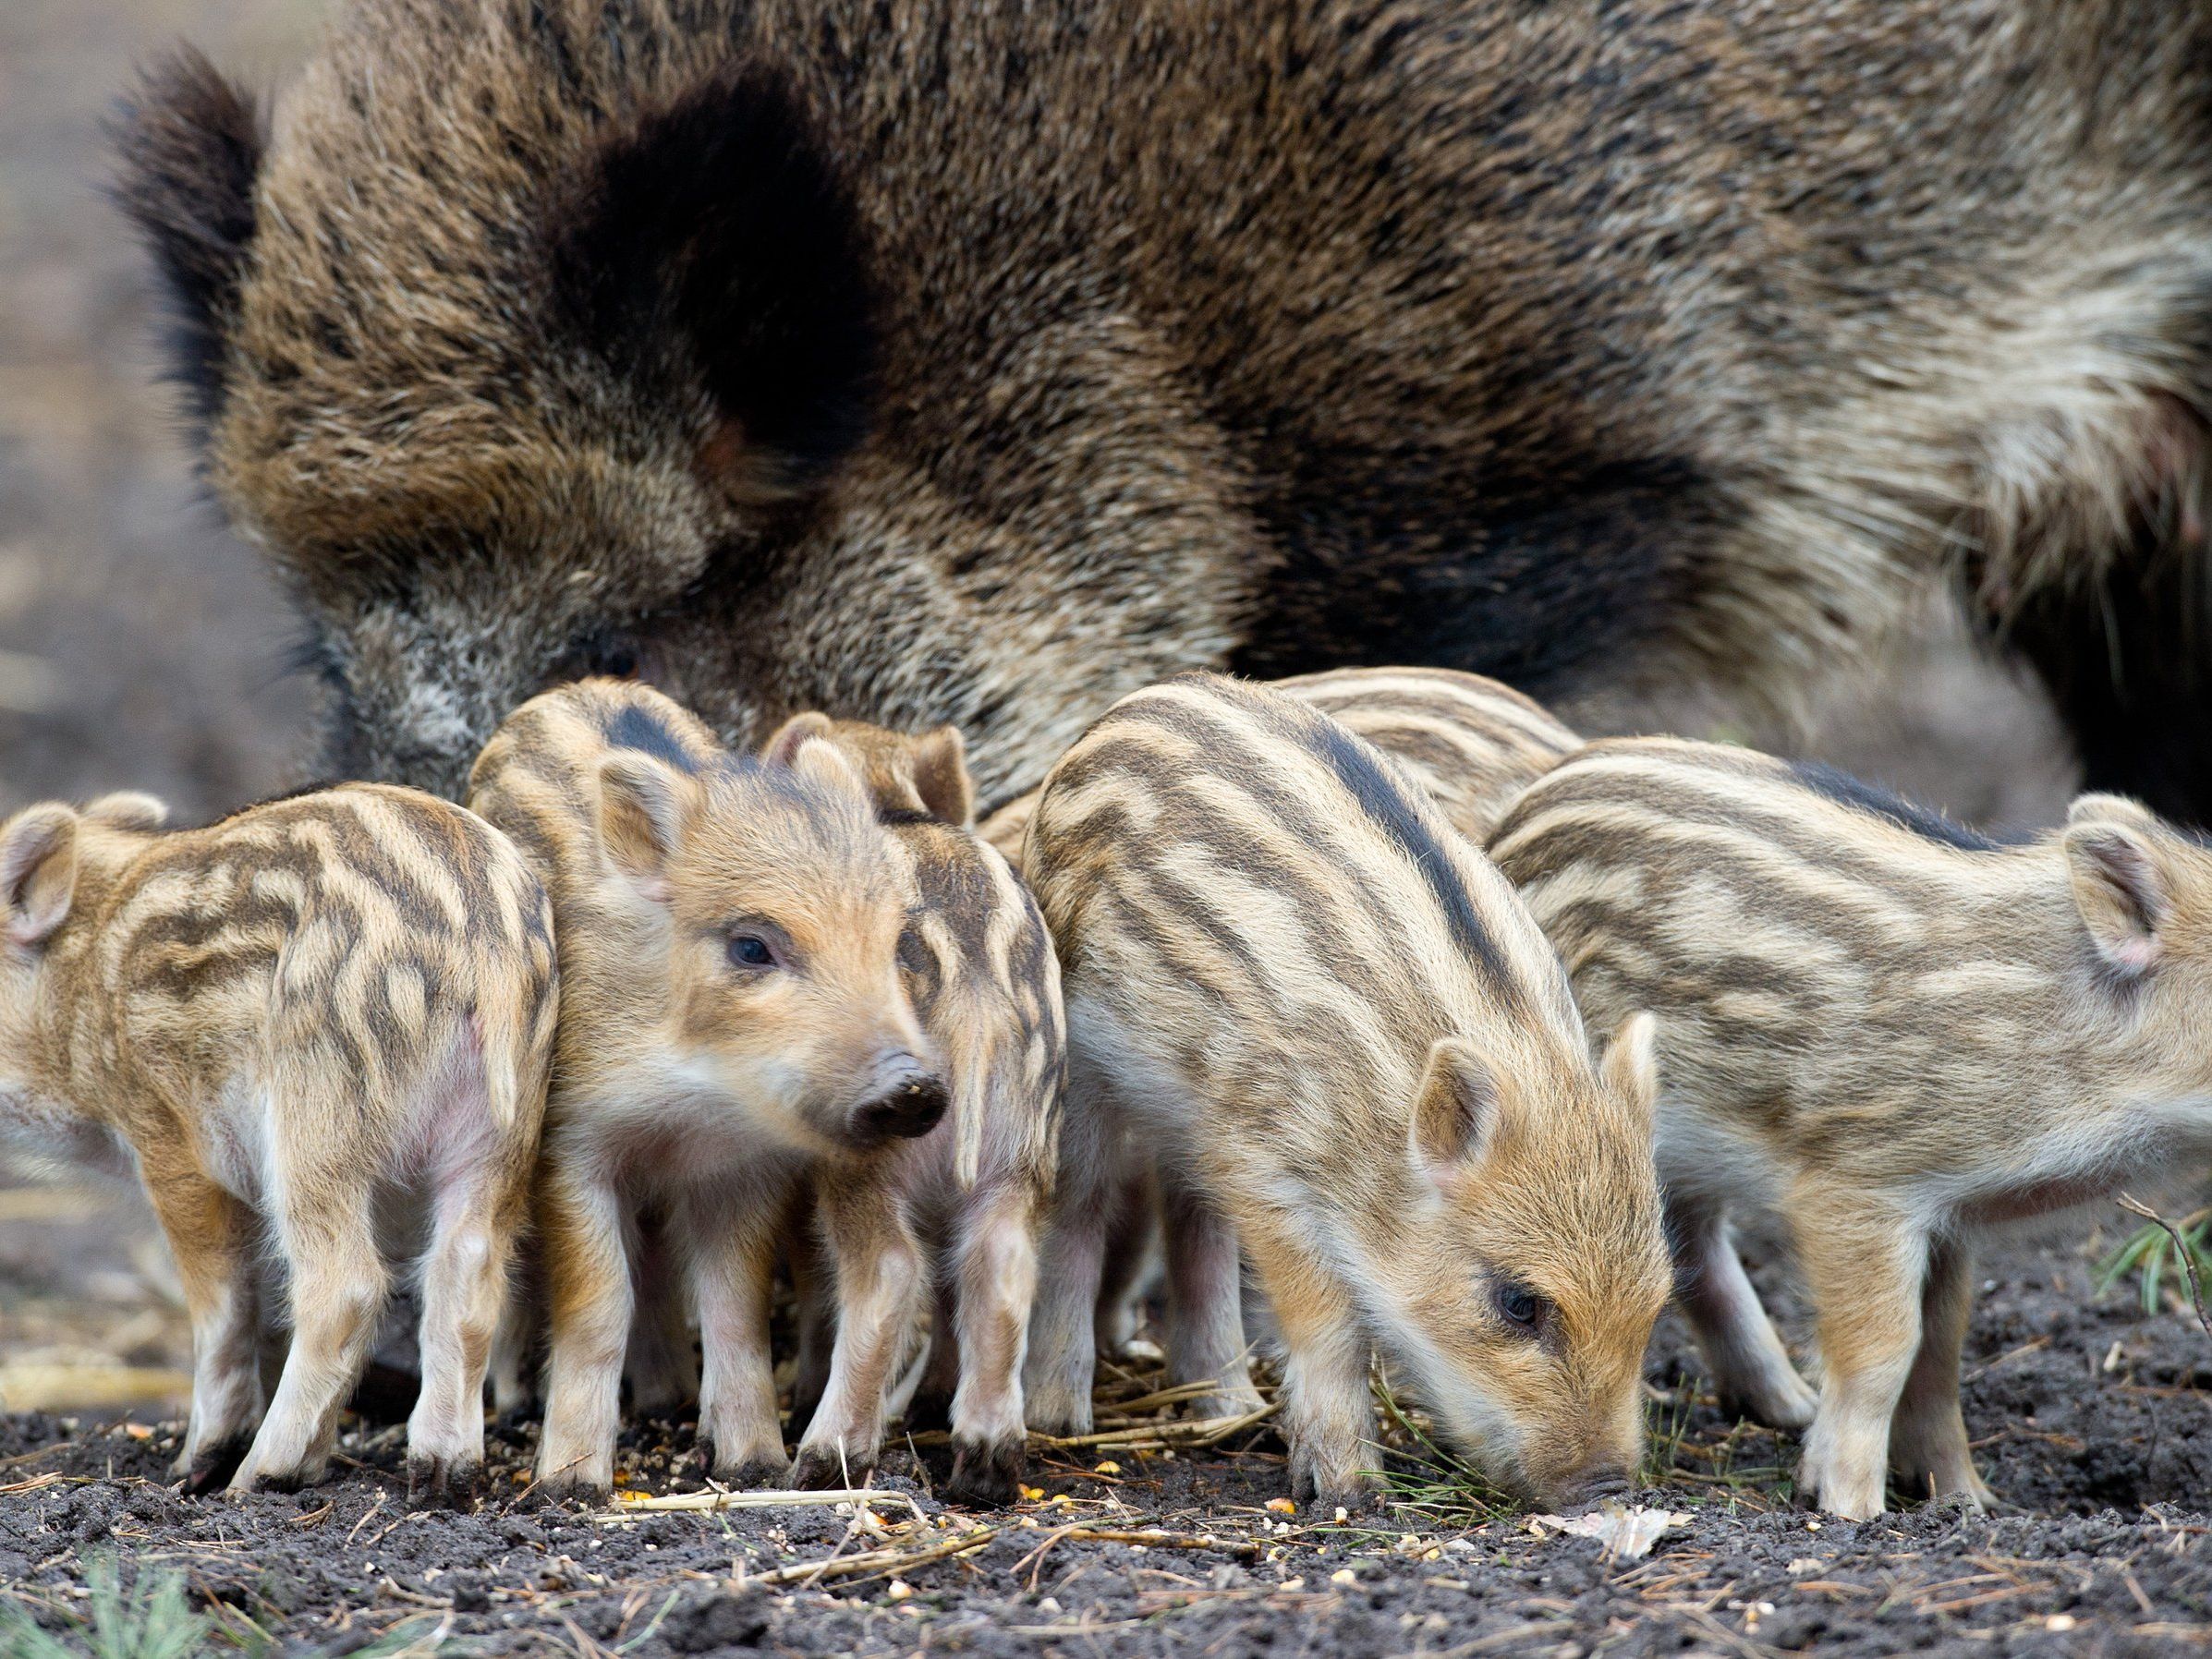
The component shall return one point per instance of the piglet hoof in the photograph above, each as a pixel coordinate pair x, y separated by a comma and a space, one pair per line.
439, 1484
211, 1470
819, 1469
985, 1474
558, 1490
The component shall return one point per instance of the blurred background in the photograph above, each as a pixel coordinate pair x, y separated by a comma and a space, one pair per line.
142, 645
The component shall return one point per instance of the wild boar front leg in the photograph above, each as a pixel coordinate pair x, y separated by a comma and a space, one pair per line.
211, 1236
731, 1241
1751, 1369
1864, 1261
584, 1236
1205, 1302
1928, 1440
996, 1282
1328, 1407
881, 1274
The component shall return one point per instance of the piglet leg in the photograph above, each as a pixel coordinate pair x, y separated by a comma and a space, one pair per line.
210, 1234
1927, 1439
338, 1285
881, 1277
587, 1280
732, 1243
664, 1375
1205, 1302
996, 1286
1328, 1407
1751, 1369
1864, 1263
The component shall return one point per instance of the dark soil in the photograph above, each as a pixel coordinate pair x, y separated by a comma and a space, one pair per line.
2094, 1421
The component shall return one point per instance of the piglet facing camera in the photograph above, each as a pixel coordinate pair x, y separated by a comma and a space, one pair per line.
1891, 1029
1351, 1056
986, 985
275, 1017
738, 1034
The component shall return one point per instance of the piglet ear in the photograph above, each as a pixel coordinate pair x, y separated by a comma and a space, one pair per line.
820, 762
2111, 809
129, 809
1456, 1110
1630, 1069
783, 748
38, 871
641, 806
940, 776
2122, 889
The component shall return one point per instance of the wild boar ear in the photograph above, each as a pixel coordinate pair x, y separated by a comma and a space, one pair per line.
1456, 1109
719, 221
783, 748
190, 145
2122, 889
2098, 808
641, 807
1630, 1069
38, 871
940, 776
129, 809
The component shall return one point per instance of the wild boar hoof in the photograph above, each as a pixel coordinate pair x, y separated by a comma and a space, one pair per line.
819, 1469
439, 1484
985, 1474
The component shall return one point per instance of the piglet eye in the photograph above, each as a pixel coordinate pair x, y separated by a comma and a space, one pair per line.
1518, 1306
750, 950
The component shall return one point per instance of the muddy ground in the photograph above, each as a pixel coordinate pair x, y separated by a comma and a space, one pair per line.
142, 645
2092, 1419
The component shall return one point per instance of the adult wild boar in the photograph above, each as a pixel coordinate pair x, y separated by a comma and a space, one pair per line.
927, 360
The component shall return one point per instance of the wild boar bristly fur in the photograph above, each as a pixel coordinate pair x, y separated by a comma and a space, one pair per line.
944, 362
1351, 1053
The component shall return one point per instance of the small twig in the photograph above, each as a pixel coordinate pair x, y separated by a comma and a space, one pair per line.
873, 1561
366, 1515
1205, 1432
752, 1500
2181, 1250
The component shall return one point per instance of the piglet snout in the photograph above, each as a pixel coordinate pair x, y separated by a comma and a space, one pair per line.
911, 1102
1586, 1490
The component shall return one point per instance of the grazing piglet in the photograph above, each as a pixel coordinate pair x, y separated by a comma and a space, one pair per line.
1471, 742
1889, 1028
734, 1028
280, 1019
1350, 1049
986, 985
